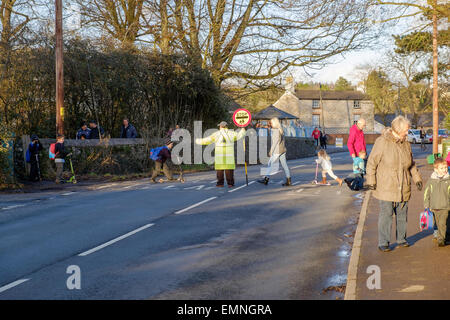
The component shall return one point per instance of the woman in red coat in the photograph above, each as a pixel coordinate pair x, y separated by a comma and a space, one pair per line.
356, 141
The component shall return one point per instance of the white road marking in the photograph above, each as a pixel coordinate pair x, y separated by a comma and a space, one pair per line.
144, 188
169, 187
195, 205
209, 188
107, 186
200, 187
12, 285
213, 181
233, 190
115, 240
128, 187
302, 165
68, 193
295, 183
251, 182
13, 207
299, 190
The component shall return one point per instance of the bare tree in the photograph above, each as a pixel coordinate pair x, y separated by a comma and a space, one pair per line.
255, 40
120, 19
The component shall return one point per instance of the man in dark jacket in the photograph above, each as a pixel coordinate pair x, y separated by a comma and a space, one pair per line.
83, 131
128, 130
33, 149
96, 130
163, 156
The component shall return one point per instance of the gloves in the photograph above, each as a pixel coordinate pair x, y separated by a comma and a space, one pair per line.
372, 186
419, 185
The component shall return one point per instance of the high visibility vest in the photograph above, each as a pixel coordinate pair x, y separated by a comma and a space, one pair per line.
224, 149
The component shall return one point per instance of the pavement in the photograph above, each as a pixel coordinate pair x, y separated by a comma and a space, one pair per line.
138, 240
420, 271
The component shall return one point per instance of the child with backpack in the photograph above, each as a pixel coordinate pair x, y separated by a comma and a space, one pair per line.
32, 157
355, 181
160, 156
325, 161
437, 198
57, 153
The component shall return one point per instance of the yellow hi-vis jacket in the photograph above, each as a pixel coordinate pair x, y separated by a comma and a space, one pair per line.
224, 149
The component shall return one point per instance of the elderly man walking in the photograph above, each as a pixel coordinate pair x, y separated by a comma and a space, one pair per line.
224, 152
389, 171
356, 141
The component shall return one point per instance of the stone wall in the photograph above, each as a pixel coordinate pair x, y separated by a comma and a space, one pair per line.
370, 138
126, 156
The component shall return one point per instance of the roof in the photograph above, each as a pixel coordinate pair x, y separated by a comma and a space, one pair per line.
272, 112
330, 95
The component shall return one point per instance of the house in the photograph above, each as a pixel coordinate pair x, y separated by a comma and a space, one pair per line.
336, 111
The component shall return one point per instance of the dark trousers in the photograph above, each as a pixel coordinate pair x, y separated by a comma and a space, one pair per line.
387, 210
440, 218
229, 175
59, 171
165, 168
34, 170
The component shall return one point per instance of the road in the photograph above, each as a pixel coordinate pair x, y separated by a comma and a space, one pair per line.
137, 240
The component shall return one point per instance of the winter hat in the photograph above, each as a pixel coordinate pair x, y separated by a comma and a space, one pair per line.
168, 141
34, 137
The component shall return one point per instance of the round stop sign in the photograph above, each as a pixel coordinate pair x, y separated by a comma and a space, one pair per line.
242, 117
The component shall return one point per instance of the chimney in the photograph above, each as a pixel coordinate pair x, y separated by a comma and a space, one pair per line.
289, 84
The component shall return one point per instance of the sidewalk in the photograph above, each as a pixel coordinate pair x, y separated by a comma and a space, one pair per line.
421, 271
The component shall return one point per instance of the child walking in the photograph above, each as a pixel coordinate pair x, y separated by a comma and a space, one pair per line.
437, 197
325, 161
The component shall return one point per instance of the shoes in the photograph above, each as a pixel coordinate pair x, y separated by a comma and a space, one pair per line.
384, 248
288, 182
339, 180
347, 182
264, 181
441, 243
404, 244
219, 185
230, 185
152, 180
324, 180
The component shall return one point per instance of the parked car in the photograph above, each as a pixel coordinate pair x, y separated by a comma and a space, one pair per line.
442, 133
414, 136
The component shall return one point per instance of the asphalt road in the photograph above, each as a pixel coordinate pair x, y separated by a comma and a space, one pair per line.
137, 240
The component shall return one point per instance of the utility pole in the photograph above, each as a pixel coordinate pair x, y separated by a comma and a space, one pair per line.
59, 68
435, 82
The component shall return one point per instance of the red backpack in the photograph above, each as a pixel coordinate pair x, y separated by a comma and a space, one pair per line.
51, 151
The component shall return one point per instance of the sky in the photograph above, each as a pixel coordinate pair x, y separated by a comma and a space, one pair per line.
346, 66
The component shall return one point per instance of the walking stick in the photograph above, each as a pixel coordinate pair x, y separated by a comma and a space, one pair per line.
38, 167
245, 162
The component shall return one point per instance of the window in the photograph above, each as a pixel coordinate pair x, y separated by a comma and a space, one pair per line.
316, 120
356, 118
356, 104
315, 104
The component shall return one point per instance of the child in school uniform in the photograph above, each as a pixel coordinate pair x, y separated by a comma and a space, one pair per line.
325, 161
437, 198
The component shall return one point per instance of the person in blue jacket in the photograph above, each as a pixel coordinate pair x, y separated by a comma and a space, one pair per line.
83, 131
33, 157
128, 130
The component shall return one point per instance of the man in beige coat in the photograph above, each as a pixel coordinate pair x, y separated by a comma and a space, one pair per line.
390, 168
